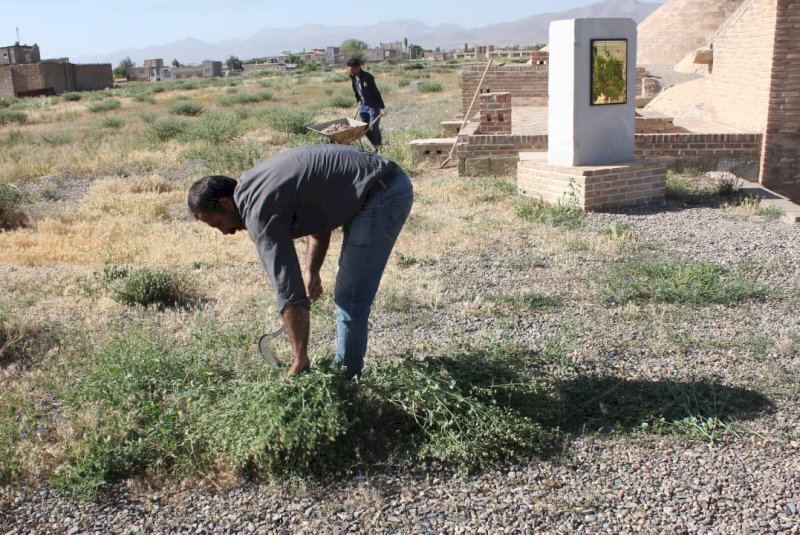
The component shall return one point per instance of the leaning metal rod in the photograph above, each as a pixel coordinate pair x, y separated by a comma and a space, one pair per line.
466, 115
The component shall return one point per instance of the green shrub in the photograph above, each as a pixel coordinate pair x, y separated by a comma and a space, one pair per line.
14, 137
112, 122
56, 138
158, 89
148, 117
145, 98
342, 100
166, 129
414, 66
12, 205
104, 105
244, 98
288, 120
430, 86
71, 97
144, 286
232, 158
701, 283
403, 82
8, 117
190, 109
214, 128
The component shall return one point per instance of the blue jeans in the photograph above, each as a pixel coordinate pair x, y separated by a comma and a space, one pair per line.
368, 241
367, 115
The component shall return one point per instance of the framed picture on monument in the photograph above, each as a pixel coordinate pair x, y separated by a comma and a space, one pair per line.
609, 72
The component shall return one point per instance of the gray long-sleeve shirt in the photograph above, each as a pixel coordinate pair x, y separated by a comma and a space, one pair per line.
308, 190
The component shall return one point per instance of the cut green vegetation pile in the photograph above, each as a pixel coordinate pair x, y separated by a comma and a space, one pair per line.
143, 404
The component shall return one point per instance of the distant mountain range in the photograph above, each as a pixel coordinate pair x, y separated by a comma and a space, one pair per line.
271, 41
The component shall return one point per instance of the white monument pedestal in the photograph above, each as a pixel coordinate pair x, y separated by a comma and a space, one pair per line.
591, 121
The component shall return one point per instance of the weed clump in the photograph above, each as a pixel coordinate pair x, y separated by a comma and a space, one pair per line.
288, 120
104, 105
12, 206
229, 158
342, 100
56, 138
214, 128
144, 286
8, 117
561, 214
430, 86
189, 109
701, 283
166, 129
244, 98
71, 97
112, 122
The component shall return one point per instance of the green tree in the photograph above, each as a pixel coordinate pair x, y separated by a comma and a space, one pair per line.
415, 51
233, 63
123, 70
176, 63
353, 48
292, 58
608, 78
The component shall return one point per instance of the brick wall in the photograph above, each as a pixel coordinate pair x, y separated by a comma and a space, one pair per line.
739, 153
780, 164
526, 83
27, 77
739, 83
6, 82
679, 27
58, 75
495, 113
93, 76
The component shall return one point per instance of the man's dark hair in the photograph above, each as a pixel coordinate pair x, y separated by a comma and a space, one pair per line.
204, 194
354, 62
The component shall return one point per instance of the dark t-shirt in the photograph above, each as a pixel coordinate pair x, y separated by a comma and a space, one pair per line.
308, 190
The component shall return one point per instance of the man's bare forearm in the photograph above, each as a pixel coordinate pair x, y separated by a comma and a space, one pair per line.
317, 249
297, 318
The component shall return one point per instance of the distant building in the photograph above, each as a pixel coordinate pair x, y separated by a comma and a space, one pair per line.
24, 74
154, 70
18, 54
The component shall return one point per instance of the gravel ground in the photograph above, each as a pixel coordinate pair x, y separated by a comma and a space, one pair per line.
599, 481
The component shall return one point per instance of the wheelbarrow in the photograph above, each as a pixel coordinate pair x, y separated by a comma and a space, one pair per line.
343, 130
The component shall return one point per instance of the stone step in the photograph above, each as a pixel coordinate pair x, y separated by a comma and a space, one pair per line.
433, 148
451, 128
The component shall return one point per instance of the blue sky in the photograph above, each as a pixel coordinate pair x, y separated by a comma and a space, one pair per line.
80, 27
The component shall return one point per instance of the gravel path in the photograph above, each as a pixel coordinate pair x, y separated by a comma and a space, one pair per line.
599, 481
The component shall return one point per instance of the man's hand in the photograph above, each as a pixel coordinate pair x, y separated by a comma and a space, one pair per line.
313, 283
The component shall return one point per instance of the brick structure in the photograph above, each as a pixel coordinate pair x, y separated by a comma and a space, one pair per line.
600, 187
780, 162
49, 77
480, 155
739, 83
17, 54
526, 83
495, 114
678, 27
